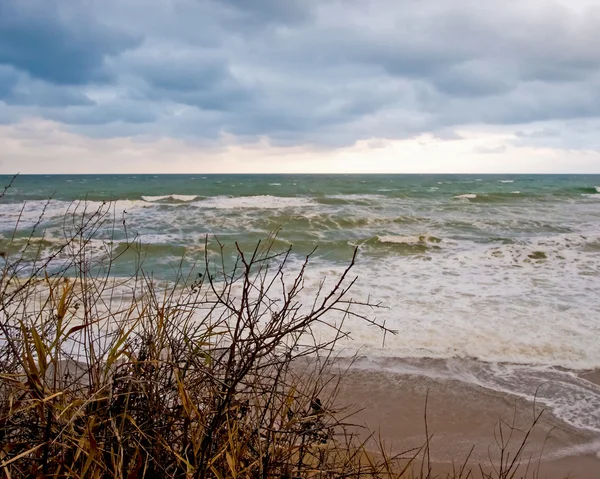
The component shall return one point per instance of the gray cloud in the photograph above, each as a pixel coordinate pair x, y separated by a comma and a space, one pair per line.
57, 41
8, 80
327, 73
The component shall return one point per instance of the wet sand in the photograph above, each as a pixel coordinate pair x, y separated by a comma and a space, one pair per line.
465, 419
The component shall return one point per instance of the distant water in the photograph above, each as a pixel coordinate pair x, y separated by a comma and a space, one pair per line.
502, 269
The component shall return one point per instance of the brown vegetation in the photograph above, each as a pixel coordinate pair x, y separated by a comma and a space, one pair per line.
219, 375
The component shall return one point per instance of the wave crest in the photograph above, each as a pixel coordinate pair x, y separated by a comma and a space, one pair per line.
177, 198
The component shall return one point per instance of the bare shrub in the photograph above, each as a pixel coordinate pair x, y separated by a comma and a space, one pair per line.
217, 374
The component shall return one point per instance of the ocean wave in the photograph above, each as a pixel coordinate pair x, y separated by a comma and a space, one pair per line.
177, 198
256, 202
420, 239
466, 303
400, 244
319, 222
506, 181
354, 199
41, 212
586, 189
496, 197
467, 196
591, 192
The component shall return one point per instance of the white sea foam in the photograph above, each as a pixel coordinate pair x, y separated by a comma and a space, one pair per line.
182, 198
358, 197
597, 188
257, 202
29, 214
568, 396
485, 302
412, 240
515, 285
516, 192
506, 181
592, 447
467, 196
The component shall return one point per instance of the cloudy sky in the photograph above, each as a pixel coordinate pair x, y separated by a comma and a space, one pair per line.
299, 86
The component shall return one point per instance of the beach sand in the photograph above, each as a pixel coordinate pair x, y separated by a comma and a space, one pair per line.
461, 417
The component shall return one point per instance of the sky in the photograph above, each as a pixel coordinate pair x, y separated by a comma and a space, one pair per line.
312, 86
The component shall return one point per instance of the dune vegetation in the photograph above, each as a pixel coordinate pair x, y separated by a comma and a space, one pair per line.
216, 374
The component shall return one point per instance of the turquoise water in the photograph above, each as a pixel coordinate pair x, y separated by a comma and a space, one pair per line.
504, 270
385, 215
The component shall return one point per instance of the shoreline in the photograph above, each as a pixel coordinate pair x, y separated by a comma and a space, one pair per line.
461, 417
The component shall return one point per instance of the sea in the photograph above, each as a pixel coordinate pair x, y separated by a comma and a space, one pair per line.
493, 280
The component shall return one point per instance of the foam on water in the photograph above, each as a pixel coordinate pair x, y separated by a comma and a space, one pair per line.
504, 282
259, 202
29, 213
566, 395
359, 197
467, 196
182, 198
509, 303
420, 239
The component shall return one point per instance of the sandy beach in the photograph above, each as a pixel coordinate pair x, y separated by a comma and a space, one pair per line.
462, 418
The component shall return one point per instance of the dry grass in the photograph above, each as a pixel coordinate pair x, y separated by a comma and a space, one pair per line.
125, 378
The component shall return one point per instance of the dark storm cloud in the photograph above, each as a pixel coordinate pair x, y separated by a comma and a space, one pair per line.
329, 72
57, 41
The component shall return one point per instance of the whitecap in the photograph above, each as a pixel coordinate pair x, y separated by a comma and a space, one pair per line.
507, 181
258, 202
28, 214
467, 196
356, 197
184, 198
